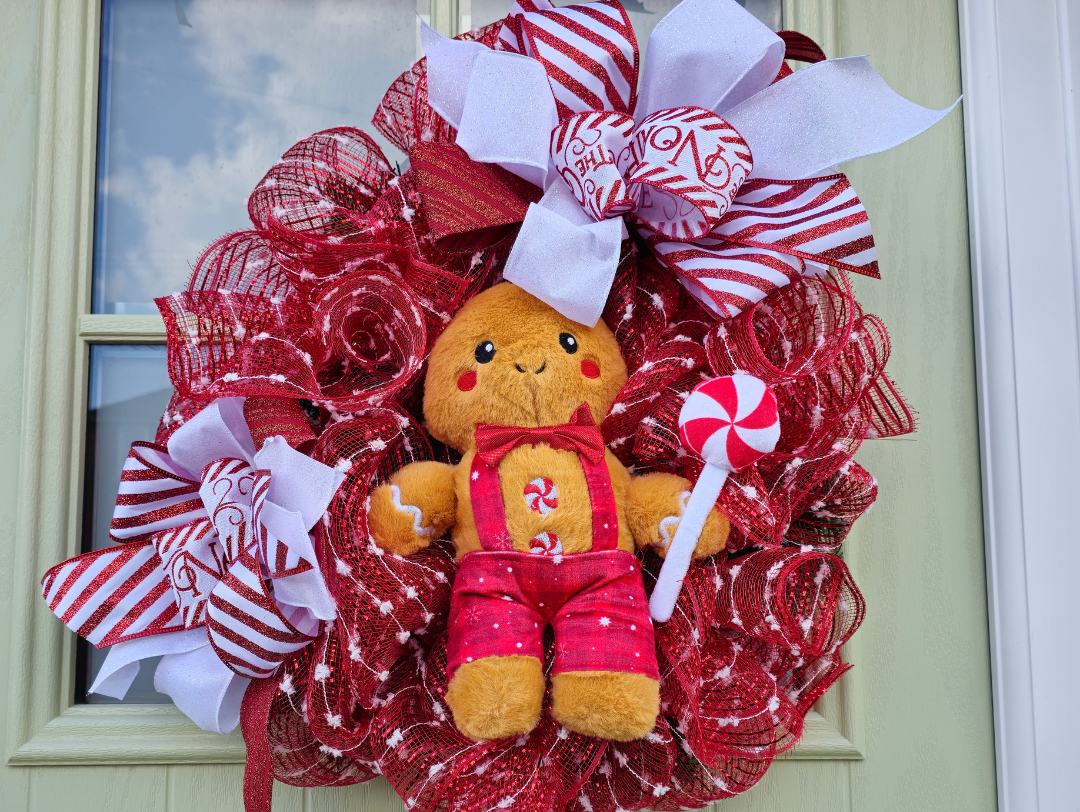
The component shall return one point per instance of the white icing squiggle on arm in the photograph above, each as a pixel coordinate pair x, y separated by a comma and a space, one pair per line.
415, 512
671, 521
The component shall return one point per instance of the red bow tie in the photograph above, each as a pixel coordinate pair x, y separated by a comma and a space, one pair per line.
580, 435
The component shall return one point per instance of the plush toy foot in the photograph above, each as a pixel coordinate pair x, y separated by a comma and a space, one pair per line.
606, 704
496, 697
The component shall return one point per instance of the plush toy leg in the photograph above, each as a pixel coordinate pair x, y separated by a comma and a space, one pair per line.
496, 697
607, 704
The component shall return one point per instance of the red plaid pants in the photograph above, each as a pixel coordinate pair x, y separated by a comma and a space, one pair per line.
595, 603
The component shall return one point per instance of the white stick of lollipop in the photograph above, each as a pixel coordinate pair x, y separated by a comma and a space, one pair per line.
730, 422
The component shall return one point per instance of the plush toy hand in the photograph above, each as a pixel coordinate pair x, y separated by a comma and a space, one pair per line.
655, 506
711, 541
416, 507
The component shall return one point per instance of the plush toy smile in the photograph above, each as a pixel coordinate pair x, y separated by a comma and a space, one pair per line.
519, 390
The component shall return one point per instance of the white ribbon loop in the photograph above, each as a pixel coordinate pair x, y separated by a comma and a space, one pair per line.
217, 432
202, 687
824, 115
508, 115
450, 63
562, 258
707, 53
299, 483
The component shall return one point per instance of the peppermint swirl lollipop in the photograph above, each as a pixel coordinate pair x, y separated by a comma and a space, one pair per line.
731, 423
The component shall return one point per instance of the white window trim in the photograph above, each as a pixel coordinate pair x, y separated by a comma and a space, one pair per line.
46, 726
1024, 219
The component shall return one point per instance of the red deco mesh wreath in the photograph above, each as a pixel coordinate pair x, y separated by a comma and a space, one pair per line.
333, 300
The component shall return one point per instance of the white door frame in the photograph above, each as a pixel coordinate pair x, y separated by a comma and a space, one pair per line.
1020, 61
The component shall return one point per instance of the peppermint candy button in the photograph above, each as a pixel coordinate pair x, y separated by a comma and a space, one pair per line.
729, 422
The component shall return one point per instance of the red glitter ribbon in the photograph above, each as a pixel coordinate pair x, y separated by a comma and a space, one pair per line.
580, 435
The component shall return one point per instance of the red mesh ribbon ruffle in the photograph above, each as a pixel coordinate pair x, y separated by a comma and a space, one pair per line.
404, 116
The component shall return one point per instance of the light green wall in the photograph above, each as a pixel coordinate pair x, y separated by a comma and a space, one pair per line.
927, 697
921, 657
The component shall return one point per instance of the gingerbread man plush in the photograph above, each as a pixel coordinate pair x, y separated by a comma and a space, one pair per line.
545, 521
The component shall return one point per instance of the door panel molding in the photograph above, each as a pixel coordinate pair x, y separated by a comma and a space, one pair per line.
1024, 222
89, 735
108, 329
41, 670
816, 19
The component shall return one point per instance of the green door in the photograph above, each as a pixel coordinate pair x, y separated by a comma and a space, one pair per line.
908, 728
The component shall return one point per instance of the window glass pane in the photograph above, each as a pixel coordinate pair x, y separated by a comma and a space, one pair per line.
644, 14
199, 98
129, 389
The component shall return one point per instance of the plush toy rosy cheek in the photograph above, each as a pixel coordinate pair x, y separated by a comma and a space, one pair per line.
467, 381
590, 369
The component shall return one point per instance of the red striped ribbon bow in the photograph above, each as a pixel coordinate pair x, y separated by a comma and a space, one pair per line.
580, 435
197, 553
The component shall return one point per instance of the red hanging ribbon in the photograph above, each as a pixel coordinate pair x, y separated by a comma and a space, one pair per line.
468, 205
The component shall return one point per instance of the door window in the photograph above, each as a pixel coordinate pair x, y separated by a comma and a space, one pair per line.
197, 100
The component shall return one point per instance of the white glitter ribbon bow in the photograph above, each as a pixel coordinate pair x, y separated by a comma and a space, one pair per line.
728, 176
215, 572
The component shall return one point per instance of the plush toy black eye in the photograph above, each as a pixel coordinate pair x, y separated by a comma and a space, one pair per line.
569, 343
485, 351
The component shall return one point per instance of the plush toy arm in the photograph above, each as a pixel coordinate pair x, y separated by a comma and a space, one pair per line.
656, 503
414, 508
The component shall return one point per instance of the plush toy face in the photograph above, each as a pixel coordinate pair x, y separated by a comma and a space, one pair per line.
509, 359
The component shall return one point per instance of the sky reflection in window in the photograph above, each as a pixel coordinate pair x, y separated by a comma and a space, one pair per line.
199, 98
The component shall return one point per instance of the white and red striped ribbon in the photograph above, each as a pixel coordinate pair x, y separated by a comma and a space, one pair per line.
194, 560
247, 629
726, 277
585, 149
153, 495
684, 167
676, 171
819, 219
762, 241
108, 596
589, 52
279, 559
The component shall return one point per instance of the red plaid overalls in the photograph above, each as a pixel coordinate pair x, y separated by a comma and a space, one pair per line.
503, 599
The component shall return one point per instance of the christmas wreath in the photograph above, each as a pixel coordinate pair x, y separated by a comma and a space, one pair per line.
698, 217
